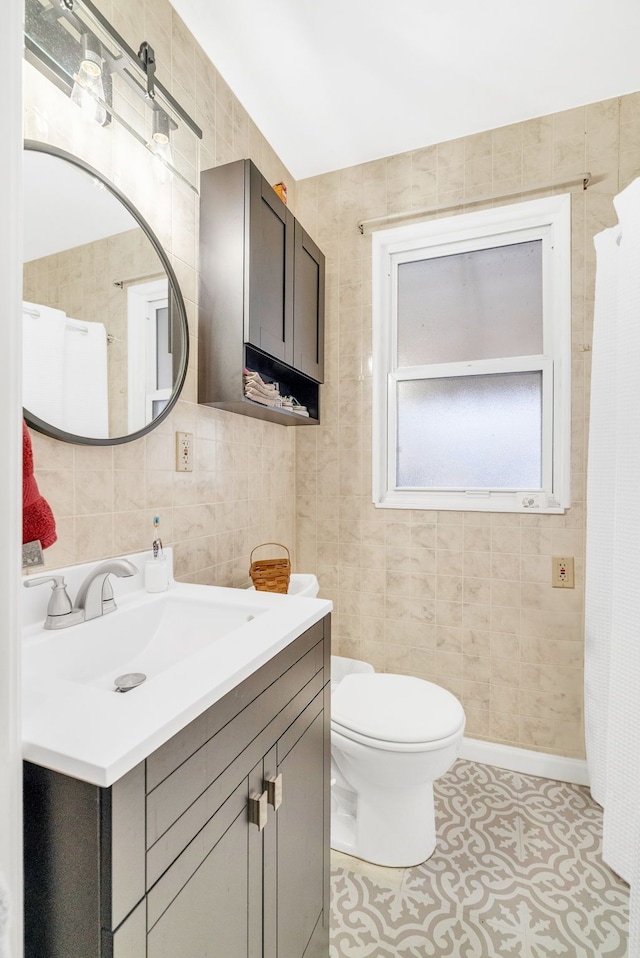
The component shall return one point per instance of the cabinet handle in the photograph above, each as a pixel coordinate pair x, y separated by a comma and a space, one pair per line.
274, 791
258, 810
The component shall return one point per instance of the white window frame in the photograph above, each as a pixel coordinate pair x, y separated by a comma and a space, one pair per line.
547, 219
143, 301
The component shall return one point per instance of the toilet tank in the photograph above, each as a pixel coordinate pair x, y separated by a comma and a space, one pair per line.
341, 666
303, 584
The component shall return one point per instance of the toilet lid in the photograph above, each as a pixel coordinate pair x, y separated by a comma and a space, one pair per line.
395, 708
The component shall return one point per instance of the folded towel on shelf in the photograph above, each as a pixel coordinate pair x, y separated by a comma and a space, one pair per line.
258, 390
263, 391
258, 396
268, 394
254, 378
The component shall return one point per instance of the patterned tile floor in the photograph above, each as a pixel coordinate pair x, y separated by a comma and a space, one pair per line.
517, 872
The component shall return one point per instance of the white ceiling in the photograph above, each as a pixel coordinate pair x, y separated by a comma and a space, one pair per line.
332, 83
64, 207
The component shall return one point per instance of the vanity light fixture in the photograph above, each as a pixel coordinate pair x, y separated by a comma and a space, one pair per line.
88, 88
160, 142
75, 46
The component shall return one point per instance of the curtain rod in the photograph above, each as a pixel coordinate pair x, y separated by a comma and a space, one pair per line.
583, 179
134, 280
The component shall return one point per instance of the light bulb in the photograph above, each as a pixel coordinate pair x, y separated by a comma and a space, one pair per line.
160, 143
88, 88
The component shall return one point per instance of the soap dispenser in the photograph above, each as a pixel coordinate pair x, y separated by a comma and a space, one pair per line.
156, 571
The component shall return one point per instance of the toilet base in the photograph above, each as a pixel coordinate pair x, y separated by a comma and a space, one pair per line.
343, 830
396, 831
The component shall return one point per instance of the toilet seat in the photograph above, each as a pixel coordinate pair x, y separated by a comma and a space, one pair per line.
395, 712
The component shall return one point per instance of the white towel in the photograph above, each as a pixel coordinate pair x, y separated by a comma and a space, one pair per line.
43, 338
257, 395
255, 388
86, 390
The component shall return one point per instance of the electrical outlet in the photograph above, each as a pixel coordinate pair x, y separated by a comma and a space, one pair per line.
562, 572
184, 452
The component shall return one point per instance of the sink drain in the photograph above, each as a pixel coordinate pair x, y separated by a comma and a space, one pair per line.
131, 680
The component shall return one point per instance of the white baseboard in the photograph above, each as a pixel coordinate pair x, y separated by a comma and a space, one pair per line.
526, 761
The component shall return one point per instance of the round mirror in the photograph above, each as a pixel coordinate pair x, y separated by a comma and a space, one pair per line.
105, 338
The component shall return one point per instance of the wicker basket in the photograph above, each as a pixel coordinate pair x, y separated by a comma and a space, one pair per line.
271, 575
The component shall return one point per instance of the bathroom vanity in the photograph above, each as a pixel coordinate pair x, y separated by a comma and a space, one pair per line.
215, 844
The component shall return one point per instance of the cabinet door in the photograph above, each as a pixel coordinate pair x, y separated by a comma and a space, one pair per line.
217, 910
300, 875
270, 271
308, 310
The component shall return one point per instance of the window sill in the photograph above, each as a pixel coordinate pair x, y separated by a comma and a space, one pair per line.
526, 503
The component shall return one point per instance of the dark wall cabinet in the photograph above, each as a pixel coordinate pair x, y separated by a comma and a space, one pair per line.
261, 295
216, 845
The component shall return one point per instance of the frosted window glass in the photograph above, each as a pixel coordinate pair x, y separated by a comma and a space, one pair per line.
470, 432
483, 304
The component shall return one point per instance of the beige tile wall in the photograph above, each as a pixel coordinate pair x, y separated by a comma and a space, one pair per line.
241, 491
463, 599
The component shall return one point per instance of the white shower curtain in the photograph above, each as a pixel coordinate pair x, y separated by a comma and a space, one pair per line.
43, 334
612, 613
86, 387
64, 372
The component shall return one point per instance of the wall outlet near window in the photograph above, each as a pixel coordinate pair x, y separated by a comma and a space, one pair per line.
562, 572
184, 452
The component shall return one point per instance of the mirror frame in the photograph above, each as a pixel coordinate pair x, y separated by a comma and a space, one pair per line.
176, 303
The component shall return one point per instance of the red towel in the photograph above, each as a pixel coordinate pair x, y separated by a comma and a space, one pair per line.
37, 517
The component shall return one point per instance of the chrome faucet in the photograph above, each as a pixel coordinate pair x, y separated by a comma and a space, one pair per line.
95, 596
60, 611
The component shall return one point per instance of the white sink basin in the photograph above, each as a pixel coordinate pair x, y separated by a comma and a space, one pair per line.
150, 636
194, 643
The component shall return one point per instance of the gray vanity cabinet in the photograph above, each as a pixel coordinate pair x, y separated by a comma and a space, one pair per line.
216, 845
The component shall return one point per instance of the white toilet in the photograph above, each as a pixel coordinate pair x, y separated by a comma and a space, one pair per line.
391, 737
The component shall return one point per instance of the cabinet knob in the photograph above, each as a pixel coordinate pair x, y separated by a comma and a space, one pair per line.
258, 810
274, 791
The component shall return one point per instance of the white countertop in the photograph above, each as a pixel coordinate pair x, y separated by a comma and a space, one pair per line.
91, 732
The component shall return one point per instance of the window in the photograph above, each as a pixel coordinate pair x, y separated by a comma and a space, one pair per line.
471, 361
150, 359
